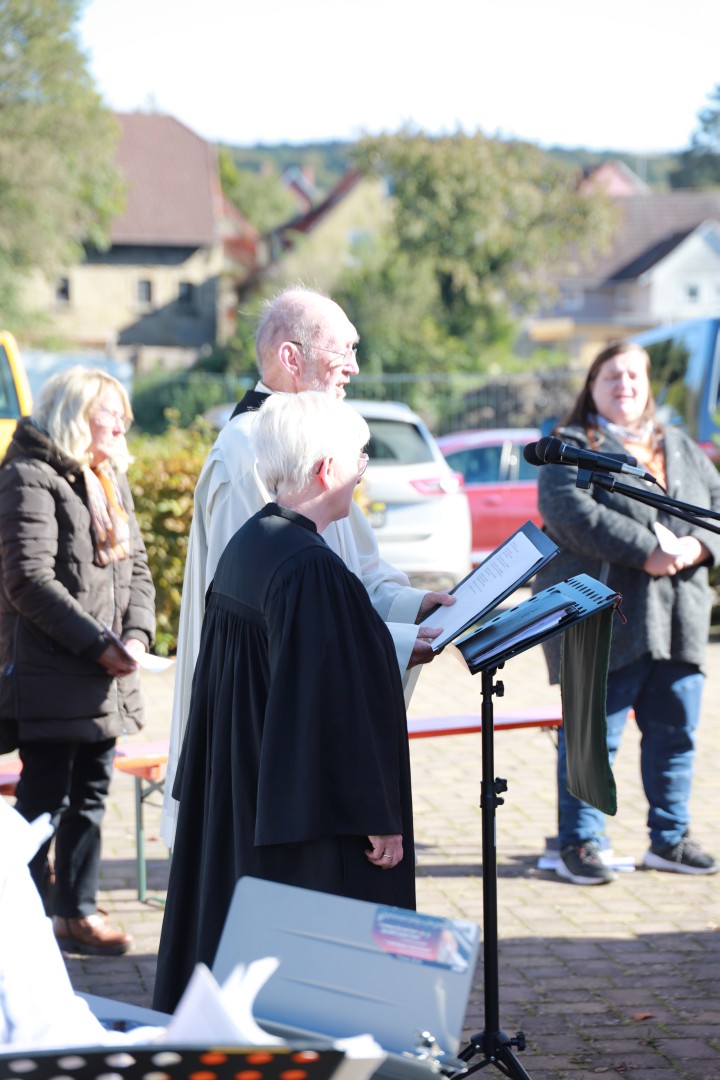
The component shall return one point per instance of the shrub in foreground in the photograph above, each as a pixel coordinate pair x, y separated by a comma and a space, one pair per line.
162, 478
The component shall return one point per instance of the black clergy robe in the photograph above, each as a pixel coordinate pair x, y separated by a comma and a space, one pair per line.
296, 747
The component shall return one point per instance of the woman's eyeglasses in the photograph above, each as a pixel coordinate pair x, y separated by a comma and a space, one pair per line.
109, 418
362, 463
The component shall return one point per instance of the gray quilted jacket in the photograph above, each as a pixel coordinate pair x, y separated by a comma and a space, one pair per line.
610, 535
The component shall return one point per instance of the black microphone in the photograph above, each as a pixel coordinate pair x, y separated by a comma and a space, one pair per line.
552, 451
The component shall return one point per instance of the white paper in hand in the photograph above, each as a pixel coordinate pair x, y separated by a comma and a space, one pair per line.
150, 662
668, 541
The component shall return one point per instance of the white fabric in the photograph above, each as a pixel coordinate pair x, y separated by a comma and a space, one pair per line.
228, 492
38, 1006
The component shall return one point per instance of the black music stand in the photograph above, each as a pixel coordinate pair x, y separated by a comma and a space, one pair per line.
483, 652
494, 1045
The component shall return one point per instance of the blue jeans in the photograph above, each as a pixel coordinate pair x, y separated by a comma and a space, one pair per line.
666, 698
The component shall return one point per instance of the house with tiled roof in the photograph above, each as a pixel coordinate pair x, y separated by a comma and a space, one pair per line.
663, 266
317, 245
166, 287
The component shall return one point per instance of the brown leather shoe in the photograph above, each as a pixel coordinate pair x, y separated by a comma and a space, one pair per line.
91, 935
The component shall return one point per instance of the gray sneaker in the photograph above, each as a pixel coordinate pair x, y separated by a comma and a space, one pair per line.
582, 865
685, 857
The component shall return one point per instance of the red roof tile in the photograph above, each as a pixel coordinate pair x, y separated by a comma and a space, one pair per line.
173, 196
649, 228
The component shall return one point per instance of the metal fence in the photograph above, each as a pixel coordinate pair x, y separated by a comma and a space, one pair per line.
450, 402
446, 402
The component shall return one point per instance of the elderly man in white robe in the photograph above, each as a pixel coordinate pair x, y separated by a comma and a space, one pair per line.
304, 341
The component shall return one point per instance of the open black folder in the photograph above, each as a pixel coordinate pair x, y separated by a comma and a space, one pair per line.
548, 612
581, 609
508, 567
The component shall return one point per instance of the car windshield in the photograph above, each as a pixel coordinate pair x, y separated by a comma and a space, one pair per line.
396, 442
492, 464
478, 464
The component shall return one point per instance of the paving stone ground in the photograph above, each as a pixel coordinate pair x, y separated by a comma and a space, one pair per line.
621, 980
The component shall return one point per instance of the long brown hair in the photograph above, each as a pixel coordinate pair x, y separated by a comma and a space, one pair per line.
583, 411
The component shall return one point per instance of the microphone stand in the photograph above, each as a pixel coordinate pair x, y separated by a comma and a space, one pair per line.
695, 515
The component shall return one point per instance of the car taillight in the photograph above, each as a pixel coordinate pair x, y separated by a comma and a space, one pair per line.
712, 451
438, 485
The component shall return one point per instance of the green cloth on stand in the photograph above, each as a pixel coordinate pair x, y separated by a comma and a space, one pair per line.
585, 656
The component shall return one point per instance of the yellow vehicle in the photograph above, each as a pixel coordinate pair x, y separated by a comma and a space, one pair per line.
15, 398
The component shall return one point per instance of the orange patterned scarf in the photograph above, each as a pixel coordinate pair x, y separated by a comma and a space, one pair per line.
110, 521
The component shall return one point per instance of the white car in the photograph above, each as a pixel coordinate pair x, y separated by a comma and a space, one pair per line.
414, 501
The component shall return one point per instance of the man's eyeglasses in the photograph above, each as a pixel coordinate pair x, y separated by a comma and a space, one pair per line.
351, 352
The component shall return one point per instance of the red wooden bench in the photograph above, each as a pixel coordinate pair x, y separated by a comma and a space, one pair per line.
147, 762
9, 775
545, 717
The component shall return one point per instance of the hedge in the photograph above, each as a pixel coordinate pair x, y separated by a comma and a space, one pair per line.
162, 478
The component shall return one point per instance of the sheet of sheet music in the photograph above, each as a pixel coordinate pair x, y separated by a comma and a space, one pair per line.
482, 589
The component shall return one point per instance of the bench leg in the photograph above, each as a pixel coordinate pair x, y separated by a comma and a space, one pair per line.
140, 840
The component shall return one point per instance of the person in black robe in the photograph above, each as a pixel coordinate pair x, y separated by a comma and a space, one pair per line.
295, 766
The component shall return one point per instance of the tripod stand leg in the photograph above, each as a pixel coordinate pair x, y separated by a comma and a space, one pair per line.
496, 1048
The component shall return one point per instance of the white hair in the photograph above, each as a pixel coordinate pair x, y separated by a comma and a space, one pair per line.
293, 432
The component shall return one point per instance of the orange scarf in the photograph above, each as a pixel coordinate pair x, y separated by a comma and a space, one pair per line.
109, 519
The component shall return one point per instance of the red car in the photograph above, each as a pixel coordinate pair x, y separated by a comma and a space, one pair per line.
500, 485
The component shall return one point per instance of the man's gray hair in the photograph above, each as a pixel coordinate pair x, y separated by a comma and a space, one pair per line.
293, 432
292, 315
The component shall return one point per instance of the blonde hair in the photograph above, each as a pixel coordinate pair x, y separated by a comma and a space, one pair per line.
293, 432
63, 405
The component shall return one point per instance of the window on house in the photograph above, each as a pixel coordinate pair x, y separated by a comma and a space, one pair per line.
144, 292
623, 300
693, 292
186, 295
62, 290
572, 297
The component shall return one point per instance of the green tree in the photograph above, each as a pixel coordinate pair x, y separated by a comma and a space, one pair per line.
58, 184
484, 221
700, 164
259, 196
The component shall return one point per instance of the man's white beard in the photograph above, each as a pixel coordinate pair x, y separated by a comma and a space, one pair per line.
312, 381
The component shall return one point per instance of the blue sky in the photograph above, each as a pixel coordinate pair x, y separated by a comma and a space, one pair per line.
625, 74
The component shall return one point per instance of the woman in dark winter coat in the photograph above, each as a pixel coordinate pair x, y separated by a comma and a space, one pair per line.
659, 564
72, 563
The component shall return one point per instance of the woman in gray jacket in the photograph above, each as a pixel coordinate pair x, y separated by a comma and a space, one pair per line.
659, 564
72, 563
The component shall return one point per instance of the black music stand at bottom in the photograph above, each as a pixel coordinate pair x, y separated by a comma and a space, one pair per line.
485, 650
495, 1046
